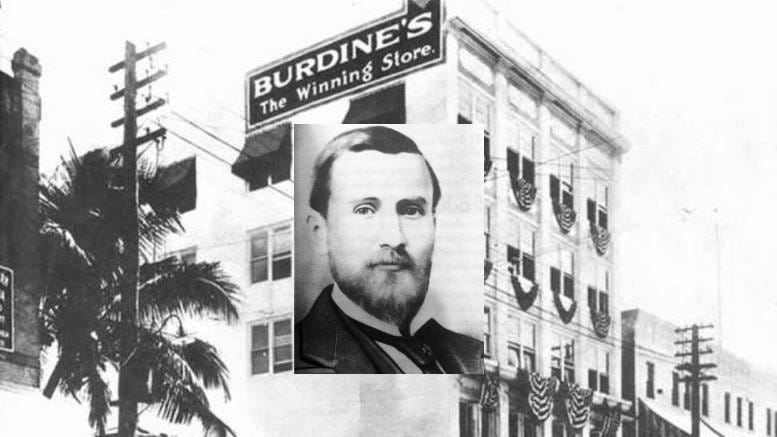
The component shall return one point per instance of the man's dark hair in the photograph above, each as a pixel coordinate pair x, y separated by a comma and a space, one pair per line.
378, 138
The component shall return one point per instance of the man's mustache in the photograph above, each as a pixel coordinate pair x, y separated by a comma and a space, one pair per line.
398, 257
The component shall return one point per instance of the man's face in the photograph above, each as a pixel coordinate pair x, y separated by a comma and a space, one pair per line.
381, 232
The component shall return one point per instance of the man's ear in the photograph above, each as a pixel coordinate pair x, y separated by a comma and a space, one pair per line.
318, 231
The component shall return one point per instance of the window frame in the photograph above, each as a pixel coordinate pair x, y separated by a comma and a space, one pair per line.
650, 380
525, 260
271, 345
565, 344
488, 332
727, 407
271, 234
516, 343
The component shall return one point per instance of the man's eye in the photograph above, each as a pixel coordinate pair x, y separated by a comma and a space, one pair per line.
413, 211
364, 210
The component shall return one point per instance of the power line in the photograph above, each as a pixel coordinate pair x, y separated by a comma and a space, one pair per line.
223, 161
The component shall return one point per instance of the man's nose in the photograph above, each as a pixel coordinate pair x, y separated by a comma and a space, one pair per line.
390, 232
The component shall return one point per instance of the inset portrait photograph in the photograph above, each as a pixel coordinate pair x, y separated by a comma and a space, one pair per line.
389, 248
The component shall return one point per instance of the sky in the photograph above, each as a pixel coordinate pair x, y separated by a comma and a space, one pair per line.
693, 81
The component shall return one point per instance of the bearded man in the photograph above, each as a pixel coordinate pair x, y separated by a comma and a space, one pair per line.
374, 199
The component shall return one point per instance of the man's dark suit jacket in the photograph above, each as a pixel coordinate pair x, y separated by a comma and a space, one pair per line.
327, 341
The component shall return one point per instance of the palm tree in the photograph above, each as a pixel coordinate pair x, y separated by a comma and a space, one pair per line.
81, 209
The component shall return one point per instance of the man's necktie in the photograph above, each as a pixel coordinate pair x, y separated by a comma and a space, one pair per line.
419, 352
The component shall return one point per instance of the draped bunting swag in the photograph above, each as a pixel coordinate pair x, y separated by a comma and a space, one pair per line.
601, 321
566, 315
600, 237
565, 216
489, 391
578, 405
611, 423
488, 264
541, 392
525, 298
524, 193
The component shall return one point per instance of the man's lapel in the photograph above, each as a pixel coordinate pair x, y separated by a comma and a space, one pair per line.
329, 339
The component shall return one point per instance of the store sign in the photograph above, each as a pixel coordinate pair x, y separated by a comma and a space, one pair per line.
6, 308
366, 57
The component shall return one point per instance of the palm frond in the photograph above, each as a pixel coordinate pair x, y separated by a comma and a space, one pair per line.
181, 368
99, 402
200, 289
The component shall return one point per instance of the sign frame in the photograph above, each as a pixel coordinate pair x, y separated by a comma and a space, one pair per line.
10, 272
434, 61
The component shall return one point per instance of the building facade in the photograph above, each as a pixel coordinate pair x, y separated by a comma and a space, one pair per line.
20, 257
552, 149
741, 402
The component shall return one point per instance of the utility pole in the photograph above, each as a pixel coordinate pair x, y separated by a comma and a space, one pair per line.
694, 368
128, 337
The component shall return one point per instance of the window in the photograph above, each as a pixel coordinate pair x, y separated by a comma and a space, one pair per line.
489, 423
271, 254
487, 334
599, 372
687, 396
522, 101
522, 260
521, 345
705, 405
563, 280
675, 389
514, 425
520, 151
727, 407
562, 351
561, 179
557, 428
276, 354
650, 383
467, 419
750, 409
475, 107
598, 296
562, 130
488, 231
596, 205
739, 411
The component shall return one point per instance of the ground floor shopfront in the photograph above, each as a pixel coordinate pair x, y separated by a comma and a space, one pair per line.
523, 404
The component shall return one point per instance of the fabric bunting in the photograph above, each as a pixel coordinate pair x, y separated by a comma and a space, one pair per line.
487, 265
489, 391
611, 423
578, 405
565, 312
541, 392
600, 237
524, 193
565, 216
601, 321
525, 298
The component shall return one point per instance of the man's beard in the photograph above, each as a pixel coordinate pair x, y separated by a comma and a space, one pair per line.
391, 296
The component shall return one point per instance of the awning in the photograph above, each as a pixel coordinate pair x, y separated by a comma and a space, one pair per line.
386, 106
178, 183
658, 420
265, 154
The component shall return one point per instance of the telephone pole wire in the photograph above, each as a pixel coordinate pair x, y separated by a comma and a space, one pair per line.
695, 369
128, 338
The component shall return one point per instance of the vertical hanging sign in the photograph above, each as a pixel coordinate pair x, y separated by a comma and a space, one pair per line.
6, 308
394, 46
